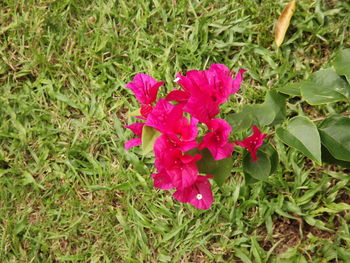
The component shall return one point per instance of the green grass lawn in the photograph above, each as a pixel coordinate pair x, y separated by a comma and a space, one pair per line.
69, 192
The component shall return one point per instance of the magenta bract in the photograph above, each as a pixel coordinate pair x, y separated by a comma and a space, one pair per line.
197, 101
136, 128
252, 143
145, 88
199, 194
217, 140
204, 91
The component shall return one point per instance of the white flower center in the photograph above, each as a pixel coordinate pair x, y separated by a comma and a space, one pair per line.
177, 79
199, 196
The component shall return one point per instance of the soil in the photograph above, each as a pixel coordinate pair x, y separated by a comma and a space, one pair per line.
289, 232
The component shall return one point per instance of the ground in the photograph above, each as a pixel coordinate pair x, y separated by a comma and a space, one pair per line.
69, 190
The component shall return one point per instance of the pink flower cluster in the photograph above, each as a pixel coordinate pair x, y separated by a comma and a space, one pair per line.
200, 93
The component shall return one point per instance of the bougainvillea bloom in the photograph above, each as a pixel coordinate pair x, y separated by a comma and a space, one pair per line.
174, 164
198, 194
164, 115
136, 128
169, 120
145, 110
162, 180
217, 140
224, 84
145, 88
184, 134
183, 170
202, 107
236, 85
216, 82
203, 91
178, 96
197, 101
252, 143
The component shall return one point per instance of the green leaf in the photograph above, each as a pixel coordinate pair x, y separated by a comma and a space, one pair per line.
335, 135
272, 111
242, 256
139, 166
328, 158
342, 63
265, 165
291, 89
260, 169
332, 208
272, 154
309, 194
276, 102
220, 169
241, 121
302, 134
325, 86
149, 136
250, 179
263, 114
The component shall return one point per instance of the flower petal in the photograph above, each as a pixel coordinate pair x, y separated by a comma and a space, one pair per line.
136, 128
146, 110
199, 194
253, 142
202, 196
145, 88
164, 116
183, 175
202, 108
178, 96
217, 140
132, 143
237, 81
162, 180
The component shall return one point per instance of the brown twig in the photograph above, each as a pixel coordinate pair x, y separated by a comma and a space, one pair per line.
322, 118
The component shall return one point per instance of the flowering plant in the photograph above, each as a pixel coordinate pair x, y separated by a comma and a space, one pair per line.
192, 145
171, 126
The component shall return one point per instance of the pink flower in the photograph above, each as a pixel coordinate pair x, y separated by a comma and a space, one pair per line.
145, 110
217, 140
164, 115
252, 143
136, 128
187, 130
203, 91
175, 168
183, 171
199, 194
184, 134
224, 84
199, 97
162, 180
145, 88
202, 107
178, 96
236, 85
169, 120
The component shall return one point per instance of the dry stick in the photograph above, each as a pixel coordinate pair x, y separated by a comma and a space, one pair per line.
322, 118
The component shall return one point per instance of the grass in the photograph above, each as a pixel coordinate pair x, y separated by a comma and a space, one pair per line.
69, 190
